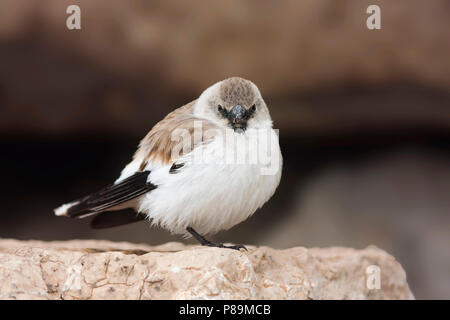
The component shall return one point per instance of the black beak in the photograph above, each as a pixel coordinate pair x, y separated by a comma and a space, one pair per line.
238, 117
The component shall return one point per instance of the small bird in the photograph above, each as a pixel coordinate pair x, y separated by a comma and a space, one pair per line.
193, 173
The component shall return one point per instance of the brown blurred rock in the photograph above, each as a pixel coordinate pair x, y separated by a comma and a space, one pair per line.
134, 61
287, 46
106, 270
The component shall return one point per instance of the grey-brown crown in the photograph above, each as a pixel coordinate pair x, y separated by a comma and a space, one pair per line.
237, 90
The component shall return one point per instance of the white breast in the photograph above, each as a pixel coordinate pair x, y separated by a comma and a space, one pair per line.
215, 193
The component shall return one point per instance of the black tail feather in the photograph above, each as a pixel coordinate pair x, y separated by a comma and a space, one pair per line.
111, 196
116, 218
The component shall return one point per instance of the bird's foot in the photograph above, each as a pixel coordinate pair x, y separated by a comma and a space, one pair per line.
206, 242
237, 247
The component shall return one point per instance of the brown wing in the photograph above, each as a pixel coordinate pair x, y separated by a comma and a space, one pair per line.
161, 145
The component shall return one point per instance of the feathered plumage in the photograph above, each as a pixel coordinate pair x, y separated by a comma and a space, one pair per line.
167, 184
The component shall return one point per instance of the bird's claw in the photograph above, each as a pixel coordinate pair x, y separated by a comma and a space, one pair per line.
237, 247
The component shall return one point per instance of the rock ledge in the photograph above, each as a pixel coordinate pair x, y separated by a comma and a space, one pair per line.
91, 269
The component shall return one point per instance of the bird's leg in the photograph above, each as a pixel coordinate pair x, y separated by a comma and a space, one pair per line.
206, 242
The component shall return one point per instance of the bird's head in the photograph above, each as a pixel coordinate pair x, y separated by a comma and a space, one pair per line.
234, 103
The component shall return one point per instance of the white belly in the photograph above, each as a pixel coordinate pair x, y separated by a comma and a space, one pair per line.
211, 196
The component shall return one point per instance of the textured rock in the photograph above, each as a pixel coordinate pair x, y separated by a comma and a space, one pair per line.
81, 269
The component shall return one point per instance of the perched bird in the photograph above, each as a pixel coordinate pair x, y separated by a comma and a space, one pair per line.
205, 167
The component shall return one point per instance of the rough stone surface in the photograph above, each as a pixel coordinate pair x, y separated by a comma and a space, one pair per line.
88, 269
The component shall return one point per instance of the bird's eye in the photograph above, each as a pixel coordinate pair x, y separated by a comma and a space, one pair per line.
253, 108
219, 108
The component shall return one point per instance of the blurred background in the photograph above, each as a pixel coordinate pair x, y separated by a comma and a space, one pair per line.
364, 115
